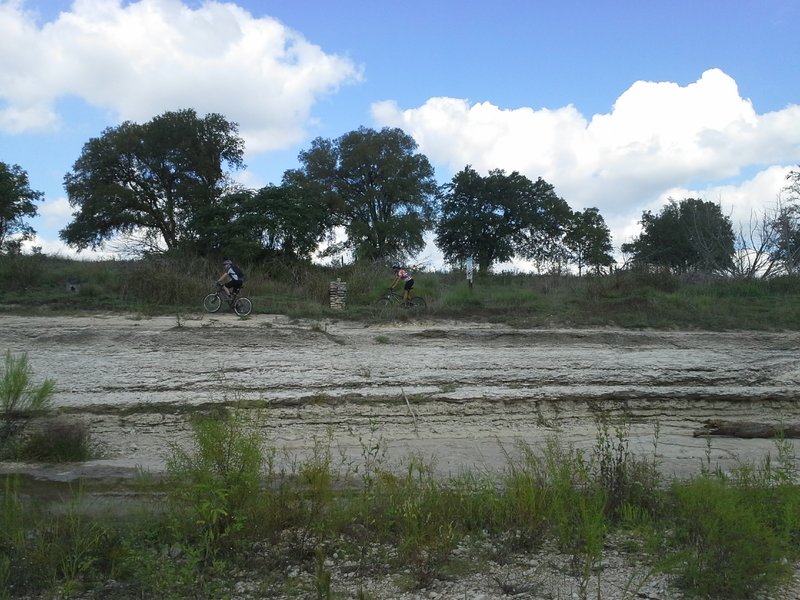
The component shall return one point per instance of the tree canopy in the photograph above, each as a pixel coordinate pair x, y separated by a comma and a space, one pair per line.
163, 179
287, 221
476, 219
499, 216
687, 236
16, 204
381, 190
588, 240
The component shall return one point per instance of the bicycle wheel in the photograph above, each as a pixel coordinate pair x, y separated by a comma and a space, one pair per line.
212, 302
383, 305
418, 303
242, 306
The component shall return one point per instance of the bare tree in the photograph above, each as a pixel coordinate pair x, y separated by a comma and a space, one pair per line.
770, 245
753, 257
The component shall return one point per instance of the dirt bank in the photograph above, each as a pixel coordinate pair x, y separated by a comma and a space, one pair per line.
460, 393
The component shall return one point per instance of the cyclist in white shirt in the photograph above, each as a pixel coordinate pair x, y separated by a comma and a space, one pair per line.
231, 279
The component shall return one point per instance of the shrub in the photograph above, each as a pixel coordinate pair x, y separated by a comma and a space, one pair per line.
727, 549
215, 483
58, 440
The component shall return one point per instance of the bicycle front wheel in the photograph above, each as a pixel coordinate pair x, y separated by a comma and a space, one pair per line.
242, 306
383, 305
212, 302
418, 303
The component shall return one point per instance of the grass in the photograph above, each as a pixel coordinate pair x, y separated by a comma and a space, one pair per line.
230, 516
225, 514
175, 285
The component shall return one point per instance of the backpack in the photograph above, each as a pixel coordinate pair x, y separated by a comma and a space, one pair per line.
239, 273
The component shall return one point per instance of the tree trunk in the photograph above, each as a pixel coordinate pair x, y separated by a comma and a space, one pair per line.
748, 429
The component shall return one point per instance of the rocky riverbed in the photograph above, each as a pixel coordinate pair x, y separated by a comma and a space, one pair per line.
460, 394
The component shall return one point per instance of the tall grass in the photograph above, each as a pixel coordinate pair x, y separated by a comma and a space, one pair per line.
177, 283
230, 515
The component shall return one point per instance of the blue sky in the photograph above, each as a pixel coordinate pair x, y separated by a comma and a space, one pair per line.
619, 104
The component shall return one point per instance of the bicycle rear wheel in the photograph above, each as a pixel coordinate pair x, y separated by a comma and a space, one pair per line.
242, 306
384, 302
212, 302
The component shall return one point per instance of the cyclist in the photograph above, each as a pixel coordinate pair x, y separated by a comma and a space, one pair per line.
231, 279
402, 274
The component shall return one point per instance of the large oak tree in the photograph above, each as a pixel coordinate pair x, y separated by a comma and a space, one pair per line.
499, 216
381, 189
161, 179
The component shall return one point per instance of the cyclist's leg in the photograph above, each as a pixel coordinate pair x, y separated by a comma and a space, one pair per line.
407, 291
234, 292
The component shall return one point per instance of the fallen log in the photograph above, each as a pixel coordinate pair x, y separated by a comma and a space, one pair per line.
748, 429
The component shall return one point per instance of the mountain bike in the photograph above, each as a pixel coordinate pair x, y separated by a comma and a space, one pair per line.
239, 304
392, 298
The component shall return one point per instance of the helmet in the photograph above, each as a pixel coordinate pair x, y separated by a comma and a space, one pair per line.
395, 267
227, 261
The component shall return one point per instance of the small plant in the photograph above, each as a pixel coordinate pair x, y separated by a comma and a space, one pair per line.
576, 505
625, 479
322, 576
419, 510
20, 398
215, 483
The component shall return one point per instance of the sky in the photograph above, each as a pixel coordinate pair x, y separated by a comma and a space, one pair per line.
619, 104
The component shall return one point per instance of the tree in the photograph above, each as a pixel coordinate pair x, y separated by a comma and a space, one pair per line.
474, 221
288, 221
383, 193
497, 217
16, 203
690, 236
786, 226
589, 241
163, 179
544, 219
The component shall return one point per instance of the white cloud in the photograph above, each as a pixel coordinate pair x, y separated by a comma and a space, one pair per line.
659, 138
56, 212
151, 56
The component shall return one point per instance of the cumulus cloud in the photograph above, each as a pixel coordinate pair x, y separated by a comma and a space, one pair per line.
657, 140
150, 56
55, 212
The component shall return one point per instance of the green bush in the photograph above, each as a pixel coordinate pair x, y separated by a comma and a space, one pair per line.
57, 440
726, 547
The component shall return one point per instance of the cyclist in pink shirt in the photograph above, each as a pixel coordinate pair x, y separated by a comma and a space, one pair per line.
400, 274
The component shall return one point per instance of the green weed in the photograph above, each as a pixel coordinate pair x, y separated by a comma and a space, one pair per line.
20, 398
